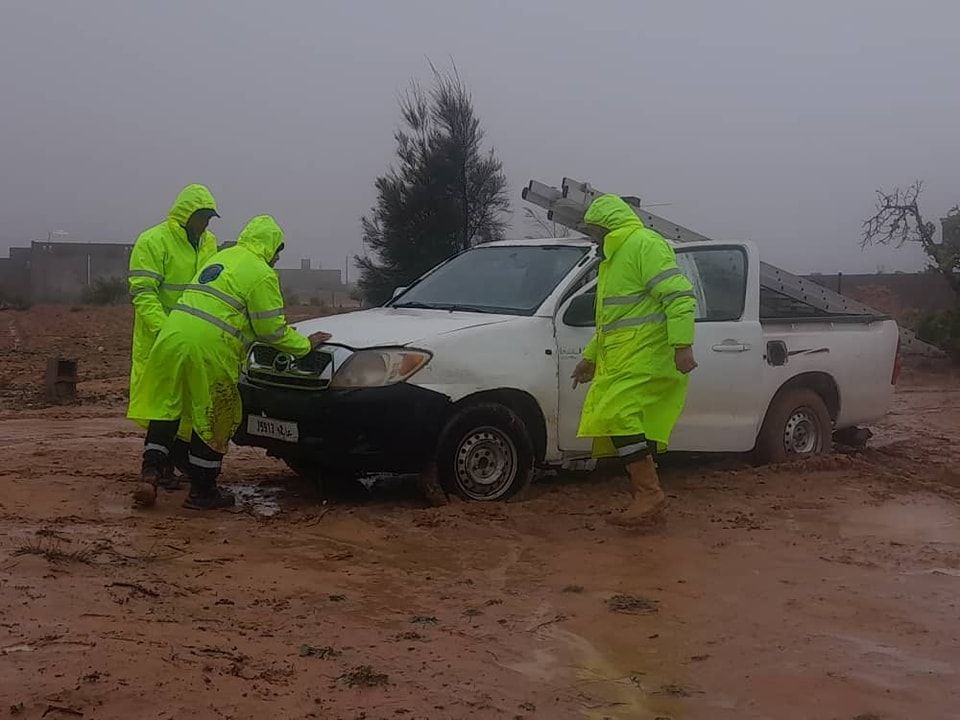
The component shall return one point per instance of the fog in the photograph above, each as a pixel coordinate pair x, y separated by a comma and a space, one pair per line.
754, 120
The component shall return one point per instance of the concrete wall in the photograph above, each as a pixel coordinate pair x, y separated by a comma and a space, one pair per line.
15, 276
306, 285
59, 272
64, 272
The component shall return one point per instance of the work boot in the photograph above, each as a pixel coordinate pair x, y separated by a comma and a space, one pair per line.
648, 499
168, 479
214, 499
145, 492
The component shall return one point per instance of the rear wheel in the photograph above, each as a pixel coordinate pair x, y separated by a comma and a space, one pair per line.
485, 454
797, 425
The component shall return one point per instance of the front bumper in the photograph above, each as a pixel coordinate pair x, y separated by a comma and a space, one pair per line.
388, 429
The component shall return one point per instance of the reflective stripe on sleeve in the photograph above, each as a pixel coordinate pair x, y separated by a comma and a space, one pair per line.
145, 273
274, 336
670, 297
660, 277
264, 314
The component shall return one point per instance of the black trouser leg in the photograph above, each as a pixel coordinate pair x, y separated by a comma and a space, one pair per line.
632, 448
203, 467
179, 456
158, 446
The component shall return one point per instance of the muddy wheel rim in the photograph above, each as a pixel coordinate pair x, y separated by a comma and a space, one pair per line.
801, 435
486, 463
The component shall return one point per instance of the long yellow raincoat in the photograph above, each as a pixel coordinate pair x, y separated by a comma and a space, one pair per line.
194, 366
161, 264
645, 310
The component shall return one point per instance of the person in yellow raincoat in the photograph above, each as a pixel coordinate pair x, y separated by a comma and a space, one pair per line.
164, 259
641, 352
192, 372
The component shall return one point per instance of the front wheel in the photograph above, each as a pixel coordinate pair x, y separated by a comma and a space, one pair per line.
341, 487
797, 426
485, 453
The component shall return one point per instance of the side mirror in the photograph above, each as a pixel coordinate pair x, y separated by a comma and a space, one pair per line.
397, 292
581, 312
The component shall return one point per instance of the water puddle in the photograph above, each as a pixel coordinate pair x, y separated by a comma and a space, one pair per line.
894, 660
261, 500
16, 648
922, 519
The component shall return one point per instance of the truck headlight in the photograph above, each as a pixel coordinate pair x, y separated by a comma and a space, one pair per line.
379, 368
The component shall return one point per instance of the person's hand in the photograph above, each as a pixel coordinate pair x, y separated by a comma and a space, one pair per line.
583, 372
319, 338
683, 357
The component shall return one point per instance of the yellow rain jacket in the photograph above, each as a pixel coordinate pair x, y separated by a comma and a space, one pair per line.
645, 310
162, 262
192, 371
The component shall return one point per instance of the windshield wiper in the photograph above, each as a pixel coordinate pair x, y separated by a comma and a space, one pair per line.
450, 307
417, 306
467, 308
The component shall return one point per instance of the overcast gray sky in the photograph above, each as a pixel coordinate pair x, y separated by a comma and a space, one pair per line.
762, 120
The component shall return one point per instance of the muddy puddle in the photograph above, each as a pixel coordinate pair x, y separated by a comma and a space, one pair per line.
909, 518
263, 500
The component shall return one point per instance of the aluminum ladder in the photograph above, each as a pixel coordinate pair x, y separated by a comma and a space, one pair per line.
567, 205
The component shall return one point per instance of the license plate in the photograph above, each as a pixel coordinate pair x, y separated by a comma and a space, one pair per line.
285, 430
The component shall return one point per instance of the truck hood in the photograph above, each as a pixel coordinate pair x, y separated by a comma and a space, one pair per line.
396, 326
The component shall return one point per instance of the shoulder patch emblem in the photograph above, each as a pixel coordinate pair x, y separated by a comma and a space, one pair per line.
210, 273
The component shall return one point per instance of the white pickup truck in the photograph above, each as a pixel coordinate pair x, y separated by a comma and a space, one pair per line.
470, 368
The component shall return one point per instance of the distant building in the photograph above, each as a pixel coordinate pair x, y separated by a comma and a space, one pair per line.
50, 272
64, 272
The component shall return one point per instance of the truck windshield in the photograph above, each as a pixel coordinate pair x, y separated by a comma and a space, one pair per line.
512, 280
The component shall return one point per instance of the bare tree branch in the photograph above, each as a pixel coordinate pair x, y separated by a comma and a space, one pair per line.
898, 220
544, 227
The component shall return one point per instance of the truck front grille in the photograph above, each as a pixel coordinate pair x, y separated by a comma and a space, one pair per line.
268, 367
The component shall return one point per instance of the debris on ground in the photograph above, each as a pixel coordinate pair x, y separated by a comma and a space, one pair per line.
424, 620
55, 553
633, 605
324, 653
364, 676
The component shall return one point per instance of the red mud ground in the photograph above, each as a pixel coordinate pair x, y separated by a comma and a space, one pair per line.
824, 591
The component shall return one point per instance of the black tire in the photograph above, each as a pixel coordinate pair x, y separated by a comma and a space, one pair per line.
485, 454
303, 468
797, 426
328, 486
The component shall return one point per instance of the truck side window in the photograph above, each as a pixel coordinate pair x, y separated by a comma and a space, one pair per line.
718, 276
719, 279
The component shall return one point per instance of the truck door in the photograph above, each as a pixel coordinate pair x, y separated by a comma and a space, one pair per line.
723, 403
574, 327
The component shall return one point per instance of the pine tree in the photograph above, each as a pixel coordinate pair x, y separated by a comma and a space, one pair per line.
445, 194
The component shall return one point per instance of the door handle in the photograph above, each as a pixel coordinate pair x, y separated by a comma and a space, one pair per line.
731, 346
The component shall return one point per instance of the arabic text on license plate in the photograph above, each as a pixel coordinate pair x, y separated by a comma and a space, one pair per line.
277, 429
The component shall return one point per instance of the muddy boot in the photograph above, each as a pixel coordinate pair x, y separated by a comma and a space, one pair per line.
215, 499
145, 491
648, 499
168, 480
